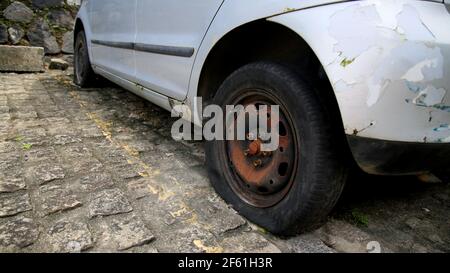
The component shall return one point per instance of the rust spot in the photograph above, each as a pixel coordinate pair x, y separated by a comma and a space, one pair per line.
254, 148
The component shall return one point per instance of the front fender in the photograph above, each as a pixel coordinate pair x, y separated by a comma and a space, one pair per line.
388, 63
231, 15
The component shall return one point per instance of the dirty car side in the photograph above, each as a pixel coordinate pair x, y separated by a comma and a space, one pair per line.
387, 62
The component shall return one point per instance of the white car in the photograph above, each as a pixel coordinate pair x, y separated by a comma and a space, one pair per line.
365, 81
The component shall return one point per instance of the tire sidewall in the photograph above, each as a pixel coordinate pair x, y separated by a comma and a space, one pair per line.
81, 40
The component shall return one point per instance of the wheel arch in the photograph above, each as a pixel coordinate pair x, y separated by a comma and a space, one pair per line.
246, 43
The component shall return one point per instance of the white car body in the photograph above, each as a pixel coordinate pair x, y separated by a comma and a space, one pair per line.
387, 61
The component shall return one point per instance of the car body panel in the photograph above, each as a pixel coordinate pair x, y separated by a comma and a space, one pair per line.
388, 62
174, 23
113, 21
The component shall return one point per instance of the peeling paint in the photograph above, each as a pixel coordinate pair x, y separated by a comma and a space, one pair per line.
430, 96
413, 87
356, 131
445, 108
289, 9
442, 128
346, 62
358, 30
412, 26
413, 62
426, 70
354, 28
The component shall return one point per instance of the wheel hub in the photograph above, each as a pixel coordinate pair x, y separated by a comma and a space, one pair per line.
263, 172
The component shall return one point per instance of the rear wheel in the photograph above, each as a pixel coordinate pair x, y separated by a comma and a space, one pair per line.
83, 73
293, 188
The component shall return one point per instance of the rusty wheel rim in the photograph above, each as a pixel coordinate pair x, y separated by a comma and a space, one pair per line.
262, 179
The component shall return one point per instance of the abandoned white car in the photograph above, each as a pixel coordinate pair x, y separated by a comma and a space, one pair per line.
365, 81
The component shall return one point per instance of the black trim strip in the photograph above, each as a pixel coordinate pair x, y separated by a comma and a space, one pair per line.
165, 50
157, 49
114, 44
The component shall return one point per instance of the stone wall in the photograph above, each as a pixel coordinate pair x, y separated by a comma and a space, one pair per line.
43, 23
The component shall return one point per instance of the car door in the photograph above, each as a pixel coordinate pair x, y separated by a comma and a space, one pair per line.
113, 27
169, 32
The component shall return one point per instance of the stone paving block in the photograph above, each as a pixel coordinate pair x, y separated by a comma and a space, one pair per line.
109, 202
55, 199
188, 239
188, 179
9, 162
61, 129
126, 171
123, 232
21, 59
140, 145
11, 205
76, 115
69, 236
248, 242
25, 114
18, 233
65, 139
111, 156
24, 126
85, 165
140, 188
216, 215
45, 173
4, 131
4, 117
11, 184
34, 135
344, 237
61, 121
4, 109
39, 154
77, 152
308, 243
90, 131
93, 182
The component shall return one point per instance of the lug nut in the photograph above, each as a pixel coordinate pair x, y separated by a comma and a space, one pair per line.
257, 163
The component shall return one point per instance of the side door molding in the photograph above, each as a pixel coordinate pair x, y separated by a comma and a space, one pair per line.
178, 51
123, 45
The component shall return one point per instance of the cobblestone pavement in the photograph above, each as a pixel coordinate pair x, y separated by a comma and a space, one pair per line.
96, 170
